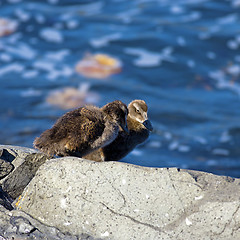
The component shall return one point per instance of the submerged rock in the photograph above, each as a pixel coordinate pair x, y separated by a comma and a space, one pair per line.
7, 26
99, 66
113, 200
70, 97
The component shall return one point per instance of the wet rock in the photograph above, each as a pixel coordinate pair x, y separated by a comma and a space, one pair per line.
113, 200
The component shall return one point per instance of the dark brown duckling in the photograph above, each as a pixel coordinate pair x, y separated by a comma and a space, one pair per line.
83, 130
139, 128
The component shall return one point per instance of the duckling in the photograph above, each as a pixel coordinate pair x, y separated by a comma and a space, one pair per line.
83, 130
139, 128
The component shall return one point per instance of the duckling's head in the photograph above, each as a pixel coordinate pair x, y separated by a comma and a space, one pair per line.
138, 111
118, 111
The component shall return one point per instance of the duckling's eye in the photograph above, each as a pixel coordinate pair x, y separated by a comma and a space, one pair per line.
137, 110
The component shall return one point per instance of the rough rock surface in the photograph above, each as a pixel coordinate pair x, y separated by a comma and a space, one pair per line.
20, 226
113, 200
17, 167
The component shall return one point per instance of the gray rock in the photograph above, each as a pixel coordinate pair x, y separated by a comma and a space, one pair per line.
16, 150
4, 219
5, 163
5, 168
5, 200
17, 180
23, 225
24, 164
19, 225
113, 200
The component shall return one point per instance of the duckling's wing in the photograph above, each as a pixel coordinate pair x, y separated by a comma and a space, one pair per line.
87, 125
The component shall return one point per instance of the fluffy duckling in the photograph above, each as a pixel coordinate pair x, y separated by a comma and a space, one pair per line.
139, 127
84, 130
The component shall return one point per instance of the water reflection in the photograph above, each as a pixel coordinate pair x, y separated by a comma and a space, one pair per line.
181, 57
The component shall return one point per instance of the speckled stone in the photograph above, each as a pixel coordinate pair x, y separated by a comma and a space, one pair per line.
118, 201
5, 168
17, 180
5, 163
21, 169
20, 226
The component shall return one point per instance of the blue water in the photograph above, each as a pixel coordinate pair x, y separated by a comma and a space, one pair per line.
182, 57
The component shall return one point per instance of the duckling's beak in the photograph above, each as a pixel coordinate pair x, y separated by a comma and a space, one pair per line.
124, 127
148, 125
